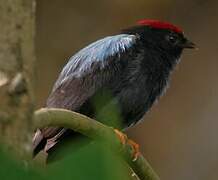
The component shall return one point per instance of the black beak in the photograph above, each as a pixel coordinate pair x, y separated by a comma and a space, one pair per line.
188, 44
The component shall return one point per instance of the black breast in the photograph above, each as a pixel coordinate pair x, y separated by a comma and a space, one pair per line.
131, 93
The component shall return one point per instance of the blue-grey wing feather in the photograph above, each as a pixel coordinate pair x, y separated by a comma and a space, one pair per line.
98, 52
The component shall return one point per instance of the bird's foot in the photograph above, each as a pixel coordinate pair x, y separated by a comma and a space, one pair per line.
124, 140
123, 137
135, 147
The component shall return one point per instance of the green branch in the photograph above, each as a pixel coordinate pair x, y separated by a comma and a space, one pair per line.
48, 117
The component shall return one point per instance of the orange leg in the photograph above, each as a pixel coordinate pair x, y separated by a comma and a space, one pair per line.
124, 140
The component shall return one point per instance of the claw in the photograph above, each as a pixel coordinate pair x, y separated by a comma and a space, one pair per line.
135, 147
124, 140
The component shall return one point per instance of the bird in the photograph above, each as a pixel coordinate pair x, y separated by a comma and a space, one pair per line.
126, 72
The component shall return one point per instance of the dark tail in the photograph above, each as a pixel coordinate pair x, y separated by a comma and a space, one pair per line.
39, 147
39, 143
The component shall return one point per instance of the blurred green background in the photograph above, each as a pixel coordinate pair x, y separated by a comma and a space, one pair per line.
92, 162
179, 134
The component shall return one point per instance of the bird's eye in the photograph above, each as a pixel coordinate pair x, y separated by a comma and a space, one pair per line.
172, 39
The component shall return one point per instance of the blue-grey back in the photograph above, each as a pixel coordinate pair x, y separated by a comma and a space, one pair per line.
97, 52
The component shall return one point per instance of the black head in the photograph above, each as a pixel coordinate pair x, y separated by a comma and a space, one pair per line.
163, 36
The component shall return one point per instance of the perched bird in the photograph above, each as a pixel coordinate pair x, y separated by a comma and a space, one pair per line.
133, 67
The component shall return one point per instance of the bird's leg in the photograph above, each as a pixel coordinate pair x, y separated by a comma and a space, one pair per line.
124, 140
